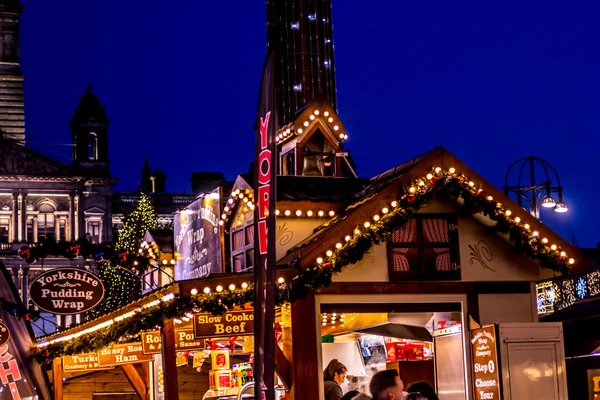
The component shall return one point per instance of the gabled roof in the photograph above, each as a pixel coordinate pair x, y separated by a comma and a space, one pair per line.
387, 187
17, 160
162, 237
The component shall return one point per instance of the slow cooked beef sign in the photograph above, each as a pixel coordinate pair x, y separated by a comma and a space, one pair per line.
66, 291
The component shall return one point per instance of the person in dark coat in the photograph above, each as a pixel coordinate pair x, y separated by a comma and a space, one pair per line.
334, 375
350, 395
424, 389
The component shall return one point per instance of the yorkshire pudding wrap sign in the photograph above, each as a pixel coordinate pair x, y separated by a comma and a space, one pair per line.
66, 291
197, 236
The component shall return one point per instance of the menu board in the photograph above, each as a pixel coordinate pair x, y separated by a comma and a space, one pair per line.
593, 384
184, 340
119, 354
485, 363
82, 362
232, 323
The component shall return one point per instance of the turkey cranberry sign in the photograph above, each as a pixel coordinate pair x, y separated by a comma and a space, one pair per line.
66, 291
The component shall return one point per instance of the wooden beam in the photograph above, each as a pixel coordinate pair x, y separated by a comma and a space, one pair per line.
57, 378
306, 368
282, 367
169, 356
146, 371
136, 381
442, 287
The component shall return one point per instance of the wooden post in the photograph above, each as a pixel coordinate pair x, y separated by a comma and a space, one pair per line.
306, 370
169, 356
57, 378
136, 381
146, 371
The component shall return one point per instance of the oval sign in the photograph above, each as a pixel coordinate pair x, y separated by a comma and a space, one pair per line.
66, 291
4, 333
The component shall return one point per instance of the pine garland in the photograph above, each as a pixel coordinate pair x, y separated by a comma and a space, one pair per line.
355, 246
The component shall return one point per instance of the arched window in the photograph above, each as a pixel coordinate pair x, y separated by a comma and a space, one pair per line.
92, 146
46, 222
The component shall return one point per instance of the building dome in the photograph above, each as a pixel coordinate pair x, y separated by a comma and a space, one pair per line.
89, 110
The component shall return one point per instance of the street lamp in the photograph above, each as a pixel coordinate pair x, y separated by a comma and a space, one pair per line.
536, 192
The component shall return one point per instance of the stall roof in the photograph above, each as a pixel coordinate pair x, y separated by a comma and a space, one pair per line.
398, 331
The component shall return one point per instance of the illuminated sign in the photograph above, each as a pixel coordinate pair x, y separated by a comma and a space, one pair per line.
485, 363
232, 323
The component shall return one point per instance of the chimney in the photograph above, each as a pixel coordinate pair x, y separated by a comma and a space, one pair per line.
160, 182
203, 182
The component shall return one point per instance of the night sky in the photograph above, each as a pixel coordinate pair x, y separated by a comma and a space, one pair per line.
491, 82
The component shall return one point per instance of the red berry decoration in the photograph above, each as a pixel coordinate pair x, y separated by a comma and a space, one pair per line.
25, 252
411, 198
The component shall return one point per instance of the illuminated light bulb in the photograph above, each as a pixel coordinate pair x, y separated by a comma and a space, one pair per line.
335, 127
326, 113
172, 262
385, 210
338, 246
508, 213
451, 170
330, 120
544, 240
226, 209
471, 183
526, 226
367, 224
140, 251
177, 320
517, 220
347, 238
342, 136
219, 288
375, 217
319, 260
563, 253
394, 204
298, 213
232, 287
412, 189
535, 233
135, 263
300, 131
321, 213
331, 213
553, 247
316, 112
241, 195
312, 117
280, 279
237, 191
287, 213
437, 170
329, 253
489, 198
207, 290
345, 137
421, 183
571, 261
429, 176
357, 231
246, 199
324, 323
276, 212
165, 262
194, 291
309, 213
244, 285
230, 201
305, 123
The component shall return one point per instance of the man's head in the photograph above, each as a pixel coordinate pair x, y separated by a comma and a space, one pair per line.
386, 385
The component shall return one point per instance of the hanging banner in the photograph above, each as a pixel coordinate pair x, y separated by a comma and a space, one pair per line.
197, 236
119, 354
232, 323
82, 362
485, 363
4, 333
265, 167
20, 375
184, 340
66, 291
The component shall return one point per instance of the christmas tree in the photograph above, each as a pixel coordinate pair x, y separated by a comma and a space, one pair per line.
121, 284
143, 218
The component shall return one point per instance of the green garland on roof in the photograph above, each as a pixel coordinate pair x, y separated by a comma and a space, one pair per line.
351, 250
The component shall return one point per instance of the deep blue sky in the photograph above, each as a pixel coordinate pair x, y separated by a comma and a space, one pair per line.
492, 82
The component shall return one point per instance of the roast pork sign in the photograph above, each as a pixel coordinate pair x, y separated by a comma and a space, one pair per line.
66, 291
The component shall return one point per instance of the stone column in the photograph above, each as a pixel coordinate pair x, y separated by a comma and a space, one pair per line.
14, 228
56, 227
77, 227
71, 230
35, 230
24, 217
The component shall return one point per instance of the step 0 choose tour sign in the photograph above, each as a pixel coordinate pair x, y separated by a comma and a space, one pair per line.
66, 291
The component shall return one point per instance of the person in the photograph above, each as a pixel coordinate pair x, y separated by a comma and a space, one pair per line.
350, 395
386, 385
334, 376
424, 389
361, 396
